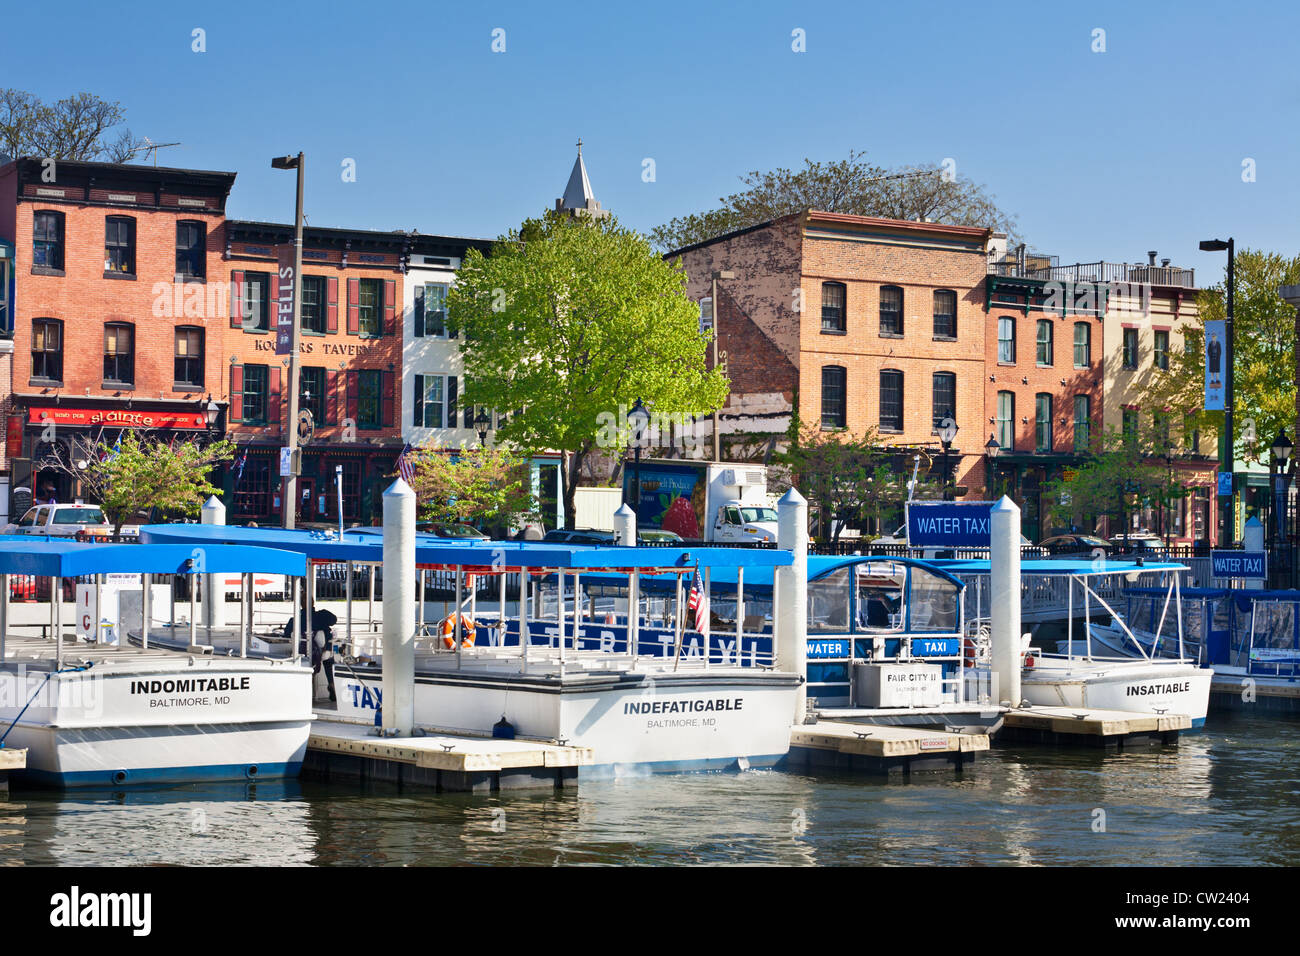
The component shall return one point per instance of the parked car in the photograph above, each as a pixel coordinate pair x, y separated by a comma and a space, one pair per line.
61, 521
452, 529
592, 536
1138, 541
1075, 545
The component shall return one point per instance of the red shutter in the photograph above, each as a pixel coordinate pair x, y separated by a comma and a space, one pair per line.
331, 304
274, 321
274, 416
236, 393
354, 306
237, 300
331, 397
354, 382
389, 385
390, 307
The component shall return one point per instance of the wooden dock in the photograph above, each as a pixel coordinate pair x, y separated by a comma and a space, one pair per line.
1231, 692
1081, 727
446, 762
10, 760
877, 749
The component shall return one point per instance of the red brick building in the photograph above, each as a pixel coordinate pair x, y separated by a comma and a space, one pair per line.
117, 275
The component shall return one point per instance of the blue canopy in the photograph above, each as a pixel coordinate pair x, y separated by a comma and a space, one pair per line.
20, 554
1052, 567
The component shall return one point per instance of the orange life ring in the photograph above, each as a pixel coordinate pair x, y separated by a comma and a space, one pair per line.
448, 631
969, 652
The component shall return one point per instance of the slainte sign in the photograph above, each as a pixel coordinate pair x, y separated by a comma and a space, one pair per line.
101, 416
681, 706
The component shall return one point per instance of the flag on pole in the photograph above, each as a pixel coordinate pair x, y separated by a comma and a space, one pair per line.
239, 467
404, 467
697, 603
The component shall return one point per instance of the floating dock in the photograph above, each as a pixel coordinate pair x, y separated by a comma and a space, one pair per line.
446, 762
877, 749
1105, 729
1237, 692
10, 760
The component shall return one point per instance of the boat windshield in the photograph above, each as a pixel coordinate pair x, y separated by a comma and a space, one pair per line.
880, 595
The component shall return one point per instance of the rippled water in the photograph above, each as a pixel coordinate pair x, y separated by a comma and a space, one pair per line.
1228, 795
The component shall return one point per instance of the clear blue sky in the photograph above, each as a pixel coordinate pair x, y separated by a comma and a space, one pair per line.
1101, 155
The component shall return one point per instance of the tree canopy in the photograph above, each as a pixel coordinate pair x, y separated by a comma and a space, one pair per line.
566, 325
847, 186
477, 484
77, 127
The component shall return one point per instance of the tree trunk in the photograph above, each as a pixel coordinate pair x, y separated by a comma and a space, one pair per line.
576, 458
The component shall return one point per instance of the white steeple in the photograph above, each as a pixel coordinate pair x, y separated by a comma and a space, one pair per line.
578, 199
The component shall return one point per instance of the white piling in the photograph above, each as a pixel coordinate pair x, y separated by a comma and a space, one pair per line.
790, 635
1004, 598
625, 526
399, 608
1252, 539
214, 598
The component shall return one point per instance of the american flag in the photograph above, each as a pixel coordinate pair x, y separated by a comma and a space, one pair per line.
697, 603
239, 467
404, 467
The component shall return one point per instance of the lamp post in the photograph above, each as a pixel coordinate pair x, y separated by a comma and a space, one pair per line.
947, 432
1218, 245
482, 422
991, 449
713, 305
1169, 488
637, 419
289, 502
211, 411
1282, 447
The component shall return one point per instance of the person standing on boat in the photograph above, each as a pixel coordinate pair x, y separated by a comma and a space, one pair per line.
319, 643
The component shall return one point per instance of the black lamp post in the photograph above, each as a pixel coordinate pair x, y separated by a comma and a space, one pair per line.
991, 449
1218, 245
637, 419
1282, 447
482, 422
212, 411
1169, 489
947, 432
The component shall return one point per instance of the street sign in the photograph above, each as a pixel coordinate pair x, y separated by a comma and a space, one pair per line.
1239, 564
1225, 484
948, 524
286, 462
284, 312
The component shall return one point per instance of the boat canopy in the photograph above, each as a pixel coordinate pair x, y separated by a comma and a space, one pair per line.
1052, 567
65, 559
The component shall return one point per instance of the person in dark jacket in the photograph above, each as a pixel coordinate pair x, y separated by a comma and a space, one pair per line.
319, 643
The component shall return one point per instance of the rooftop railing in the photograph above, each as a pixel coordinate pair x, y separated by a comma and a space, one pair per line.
1095, 272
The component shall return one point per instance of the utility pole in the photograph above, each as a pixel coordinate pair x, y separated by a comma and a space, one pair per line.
289, 502
724, 274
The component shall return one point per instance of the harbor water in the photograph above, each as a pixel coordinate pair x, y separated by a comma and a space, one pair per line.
1229, 795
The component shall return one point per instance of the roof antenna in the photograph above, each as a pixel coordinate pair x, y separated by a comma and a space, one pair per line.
151, 147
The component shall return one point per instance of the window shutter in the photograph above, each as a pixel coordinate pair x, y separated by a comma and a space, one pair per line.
353, 405
389, 392
354, 307
419, 311
273, 413
417, 406
237, 301
236, 393
331, 304
390, 306
273, 309
331, 397
451, 401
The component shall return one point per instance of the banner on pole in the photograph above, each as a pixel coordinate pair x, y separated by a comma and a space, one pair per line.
1216, 339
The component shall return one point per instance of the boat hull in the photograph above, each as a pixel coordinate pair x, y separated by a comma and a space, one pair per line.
1133, 686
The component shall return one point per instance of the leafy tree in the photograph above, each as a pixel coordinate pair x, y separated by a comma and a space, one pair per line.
76, 127
1264, 335
566, 325
848, 186
480, 484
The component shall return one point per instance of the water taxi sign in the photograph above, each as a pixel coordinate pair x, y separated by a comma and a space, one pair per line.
948, 524
1239, 564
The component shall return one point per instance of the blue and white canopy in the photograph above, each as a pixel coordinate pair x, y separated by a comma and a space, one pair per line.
62, 558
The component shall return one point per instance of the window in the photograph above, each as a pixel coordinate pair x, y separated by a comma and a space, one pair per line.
370, 302
1044, 341
351, 489
1082, 345
47, 350
428, 402
189, 357
6, 320
47, 240
311, 392
943, 394
1160, 430
370, 399
191, 250
255, 394
1082, 422
945, 314
119, 357
834, 297
1130, 425
1161, 350
1007, 339
257, 301
313, 304
833, 387
119, 245
891, 400
1006, 421
1130, 348
706, 314
1043, 422
253, 486
891, 310
431, 310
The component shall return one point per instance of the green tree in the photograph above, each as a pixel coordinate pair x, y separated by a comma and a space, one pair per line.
1264, 333
848, 186
566, 325
479, 484
76, 127
168, 480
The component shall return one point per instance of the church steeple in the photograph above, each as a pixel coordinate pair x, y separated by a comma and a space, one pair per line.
578, 199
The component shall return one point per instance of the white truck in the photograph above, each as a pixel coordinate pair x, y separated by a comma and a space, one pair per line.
702, 500
60, 521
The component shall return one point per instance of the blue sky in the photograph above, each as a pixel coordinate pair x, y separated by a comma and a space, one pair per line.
1101, 155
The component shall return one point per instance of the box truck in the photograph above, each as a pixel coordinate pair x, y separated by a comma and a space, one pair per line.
702, 500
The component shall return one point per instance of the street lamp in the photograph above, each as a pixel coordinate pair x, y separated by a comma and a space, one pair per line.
947, 432
212, 410
1282, 447
1169, 489
991, 449
288, 501
638, 419
713, 304
482, 422
1218, 245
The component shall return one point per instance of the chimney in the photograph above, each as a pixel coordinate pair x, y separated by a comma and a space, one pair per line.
1165, 262
1151, 257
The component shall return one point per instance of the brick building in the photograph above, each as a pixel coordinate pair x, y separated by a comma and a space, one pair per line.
117, 273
